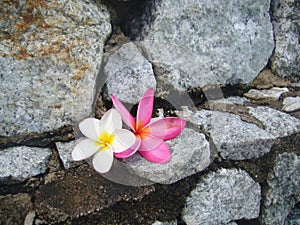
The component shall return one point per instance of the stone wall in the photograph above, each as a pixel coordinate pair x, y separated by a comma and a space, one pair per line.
231, 69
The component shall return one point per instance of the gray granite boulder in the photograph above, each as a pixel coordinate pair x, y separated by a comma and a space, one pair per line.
65, 153
275, 122
51, 54
234, 138
221, 197
19, 163
197, 43
291, 104
128, 74
266, 94
283, 189
293, 217
191, 153
286, 58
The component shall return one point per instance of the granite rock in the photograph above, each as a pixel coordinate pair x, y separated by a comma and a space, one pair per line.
293, 217
223, 196
51, 52
291, 104
267, 94
165, 223
230, 100
231, 223
234, 138
283, 189
277, 123
296, 84
19, 163
199, 43
128, 74
65, 153
286, 58
190, 154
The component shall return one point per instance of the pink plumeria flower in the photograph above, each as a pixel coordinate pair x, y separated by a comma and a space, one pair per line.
104, 138
150, 135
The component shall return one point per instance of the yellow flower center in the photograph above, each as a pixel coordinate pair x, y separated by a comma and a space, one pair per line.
141, 131
106, 139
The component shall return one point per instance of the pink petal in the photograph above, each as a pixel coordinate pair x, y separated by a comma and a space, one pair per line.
159, 155
150, 143
126, 116
145, 108
167, 128
130, 151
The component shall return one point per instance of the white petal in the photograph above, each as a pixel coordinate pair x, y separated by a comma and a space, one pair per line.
90, 127
85, 149
103, 160
124, 139
110, 121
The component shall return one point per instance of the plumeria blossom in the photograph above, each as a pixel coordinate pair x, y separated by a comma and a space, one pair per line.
104, 138
150, 134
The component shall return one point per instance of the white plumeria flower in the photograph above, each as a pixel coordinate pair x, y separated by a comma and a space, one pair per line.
104, 138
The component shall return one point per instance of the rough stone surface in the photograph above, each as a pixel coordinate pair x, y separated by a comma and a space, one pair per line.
81, 192
128, 74
165, 223
197, 43
293, 218
190, 154
296, 84
266, 79
272, 94
14, 208
275, 122
283, 189
65, 153
50, 56
23, 162
234, 138
291, 104
285, 18
223, 196
231, 100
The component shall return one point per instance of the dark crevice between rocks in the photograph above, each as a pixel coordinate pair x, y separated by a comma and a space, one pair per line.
132, 24
55, 163
159, 103
203, 95
12, 186
165, 204
248, 222
123, 12
266, 163
38, 139
260, 168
